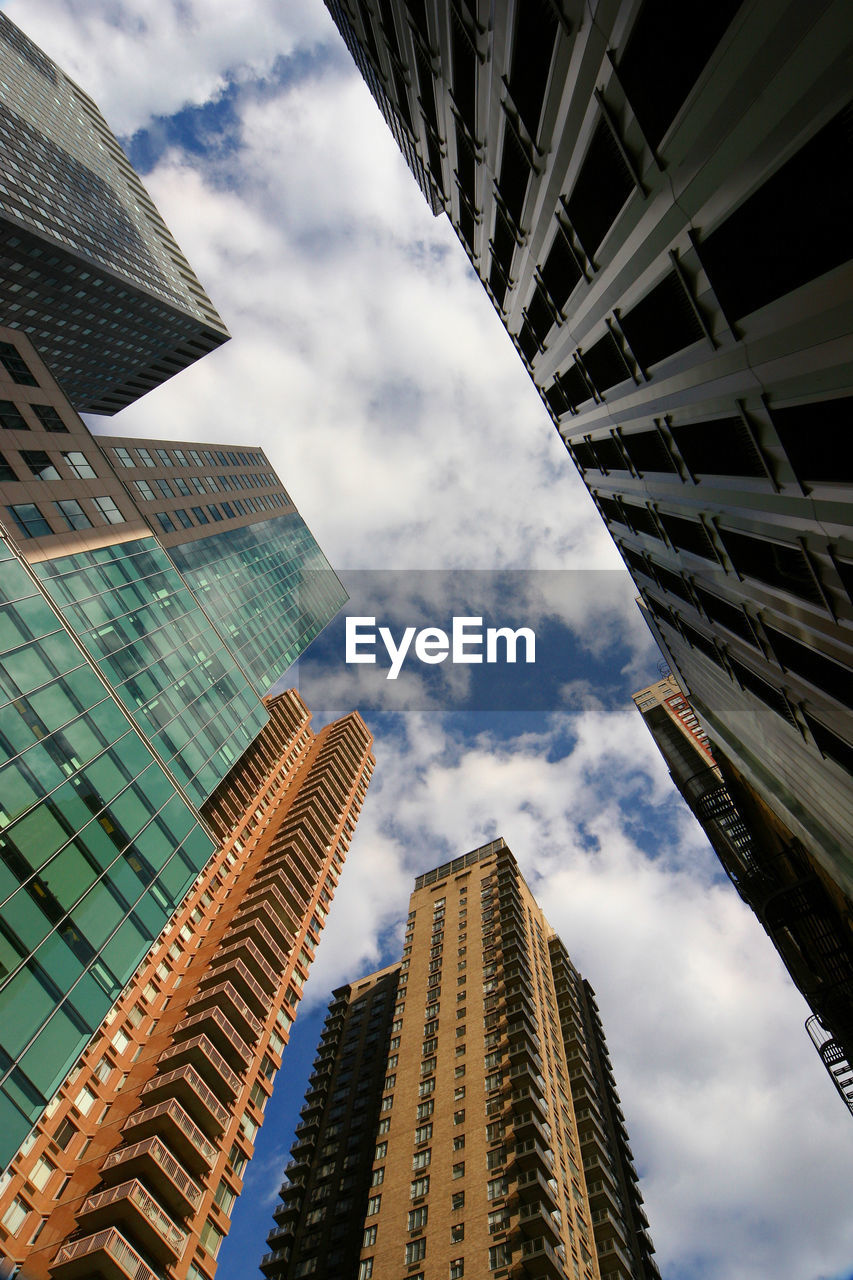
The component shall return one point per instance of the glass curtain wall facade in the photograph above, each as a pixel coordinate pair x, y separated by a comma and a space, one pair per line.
97, 848
660, 212
125, 701
82, 244
136, 1165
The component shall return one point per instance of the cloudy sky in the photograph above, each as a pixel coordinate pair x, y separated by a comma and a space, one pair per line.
369, 363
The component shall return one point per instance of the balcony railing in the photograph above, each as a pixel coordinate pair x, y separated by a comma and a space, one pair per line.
136, 1194
234, 970
72, 1257
833, 1057
189, 1081
175, 1179
172, 1111
230, 1042
240, 1011
208, 1059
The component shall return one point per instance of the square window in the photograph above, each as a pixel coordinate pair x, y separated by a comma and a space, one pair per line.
73, 514
79, 465
109, 510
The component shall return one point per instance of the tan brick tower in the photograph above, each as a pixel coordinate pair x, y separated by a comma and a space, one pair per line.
462, 1119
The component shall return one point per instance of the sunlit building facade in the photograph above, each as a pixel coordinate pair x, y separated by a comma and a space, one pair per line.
82, 245
132, 681
659, 211
140, 1156
462, 1118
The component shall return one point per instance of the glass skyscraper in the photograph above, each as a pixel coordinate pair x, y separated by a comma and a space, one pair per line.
82, 244
142, 622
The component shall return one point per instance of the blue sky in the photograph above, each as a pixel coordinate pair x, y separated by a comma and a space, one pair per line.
369, 363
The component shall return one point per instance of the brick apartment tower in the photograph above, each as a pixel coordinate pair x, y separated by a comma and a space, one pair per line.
462, 1119
660, 212
806, 915
135, 1165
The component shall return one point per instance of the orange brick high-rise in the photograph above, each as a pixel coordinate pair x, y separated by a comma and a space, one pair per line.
138, 1160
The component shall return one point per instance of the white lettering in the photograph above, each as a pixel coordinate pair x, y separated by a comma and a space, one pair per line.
354, 639
511, 638
432, 645
397, 654
462, 638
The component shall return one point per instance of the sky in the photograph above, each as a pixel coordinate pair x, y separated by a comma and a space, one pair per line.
368, 362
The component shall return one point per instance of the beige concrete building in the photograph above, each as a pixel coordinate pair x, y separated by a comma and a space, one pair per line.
462, 1119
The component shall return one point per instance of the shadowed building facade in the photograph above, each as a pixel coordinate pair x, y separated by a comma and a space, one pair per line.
462, 1118
132, 681
660, 213
807, 917
82, 244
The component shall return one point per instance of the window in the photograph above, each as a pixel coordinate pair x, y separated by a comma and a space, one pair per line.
499, 1256
10, 417
457, 1200
165, 522
421, 1159
225, 1197
459, 1143
418, 1218
39, 464
457, 1265
213, 511
182, 518
426, 1087
145, 458
381, 1151
369, 1237
79, 465
73, 514
163, 458
498, 1221
123, 457
496, 1188
41, 1173
377, 1177
459, 1093
419, 1187
425, 1109
459, 1117
200, 516
459, 1169
365, 1269
373, 1205
109, 510
423, 1133
163, 488
29, 520
16, 366
16, 1214
64, 1134
416, 1249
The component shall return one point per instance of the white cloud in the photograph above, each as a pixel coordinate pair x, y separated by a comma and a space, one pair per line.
369, 363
